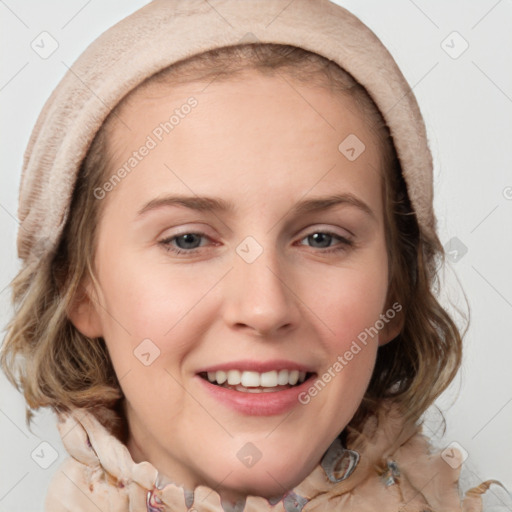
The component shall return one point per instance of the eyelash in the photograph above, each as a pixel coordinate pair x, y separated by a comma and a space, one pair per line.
343, 246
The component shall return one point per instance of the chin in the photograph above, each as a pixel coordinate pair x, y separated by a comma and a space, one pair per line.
267, 479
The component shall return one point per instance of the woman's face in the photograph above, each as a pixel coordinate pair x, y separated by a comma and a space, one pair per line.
246, 241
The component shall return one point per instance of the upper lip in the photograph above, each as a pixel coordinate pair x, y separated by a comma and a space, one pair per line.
257, 366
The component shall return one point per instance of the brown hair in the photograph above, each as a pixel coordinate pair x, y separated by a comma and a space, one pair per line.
55, 365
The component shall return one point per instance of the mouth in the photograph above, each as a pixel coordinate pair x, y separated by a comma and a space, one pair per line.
256, 388
257, 382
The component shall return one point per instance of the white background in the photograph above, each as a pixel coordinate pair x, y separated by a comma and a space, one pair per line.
467, 105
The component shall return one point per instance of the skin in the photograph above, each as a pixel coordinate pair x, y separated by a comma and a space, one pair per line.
257, 143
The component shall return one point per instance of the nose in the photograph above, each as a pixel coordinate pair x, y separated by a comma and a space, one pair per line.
259, 297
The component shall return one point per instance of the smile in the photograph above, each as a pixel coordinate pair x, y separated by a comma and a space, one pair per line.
256, 382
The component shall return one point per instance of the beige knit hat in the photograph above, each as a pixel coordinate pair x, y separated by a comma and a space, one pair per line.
166, 31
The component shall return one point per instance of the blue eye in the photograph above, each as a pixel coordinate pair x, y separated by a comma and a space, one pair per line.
190, 243
186, 242
324, 239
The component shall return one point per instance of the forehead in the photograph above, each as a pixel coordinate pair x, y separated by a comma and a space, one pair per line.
253, 133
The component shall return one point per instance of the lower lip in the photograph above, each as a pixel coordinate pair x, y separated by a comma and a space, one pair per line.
257, 404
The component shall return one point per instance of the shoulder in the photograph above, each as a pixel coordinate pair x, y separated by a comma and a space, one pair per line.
76, 487
99, 473
399, 465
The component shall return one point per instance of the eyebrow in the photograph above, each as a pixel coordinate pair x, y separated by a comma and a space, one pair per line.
214, 204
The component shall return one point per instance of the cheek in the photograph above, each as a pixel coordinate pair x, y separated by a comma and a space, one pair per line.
169, 304
361, 300
350, 300
355, 302
144, 302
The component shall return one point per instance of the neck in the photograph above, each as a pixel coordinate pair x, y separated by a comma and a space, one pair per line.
232, 500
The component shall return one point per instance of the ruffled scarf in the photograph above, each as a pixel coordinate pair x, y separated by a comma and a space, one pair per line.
388, 466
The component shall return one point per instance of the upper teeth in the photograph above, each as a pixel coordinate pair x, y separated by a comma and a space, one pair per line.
256, 379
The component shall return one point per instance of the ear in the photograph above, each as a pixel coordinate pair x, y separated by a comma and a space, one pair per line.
83, 313
394, 325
